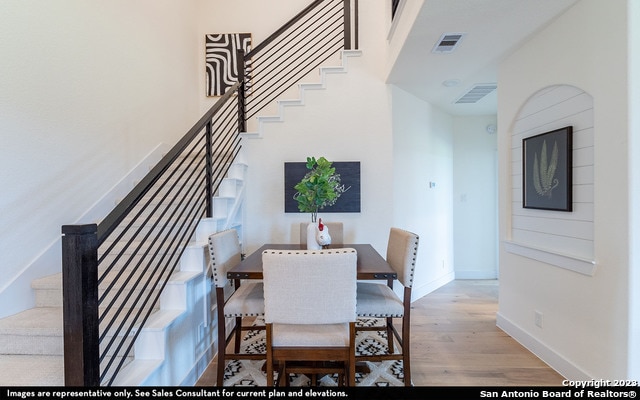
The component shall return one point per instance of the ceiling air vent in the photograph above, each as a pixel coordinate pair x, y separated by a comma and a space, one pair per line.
447, 43
476, 93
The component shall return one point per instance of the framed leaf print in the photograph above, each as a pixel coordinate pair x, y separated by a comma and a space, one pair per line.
547, 178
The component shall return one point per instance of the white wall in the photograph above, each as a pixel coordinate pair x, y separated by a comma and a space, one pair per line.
585, 331
423, 153
86, 93
475, 198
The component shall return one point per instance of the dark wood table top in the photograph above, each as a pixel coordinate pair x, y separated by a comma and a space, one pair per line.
371, 265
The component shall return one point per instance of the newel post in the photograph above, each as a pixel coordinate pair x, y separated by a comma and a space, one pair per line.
80, 305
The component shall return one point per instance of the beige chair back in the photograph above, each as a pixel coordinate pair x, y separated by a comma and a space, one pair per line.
225, 253
309, 287
335, 230
402, 250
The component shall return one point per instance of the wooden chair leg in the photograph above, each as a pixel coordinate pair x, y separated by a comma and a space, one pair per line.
390, 335
351, 364
269, 361
222, 341
314, 379
238, 332
406, 359
283, 375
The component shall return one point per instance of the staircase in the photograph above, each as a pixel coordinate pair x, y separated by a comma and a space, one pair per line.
31, 342
181, 332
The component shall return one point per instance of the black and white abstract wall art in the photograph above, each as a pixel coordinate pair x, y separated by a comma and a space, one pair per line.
221, 60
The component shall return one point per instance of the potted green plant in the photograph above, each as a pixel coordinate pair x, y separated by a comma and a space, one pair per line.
319, 188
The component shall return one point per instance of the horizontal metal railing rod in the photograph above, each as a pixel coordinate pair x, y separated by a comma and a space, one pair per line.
294, 52
183, 239
271, 38
136, 250
111, 221
139, 302
126, 263
224, 170
273, 49
150, 246
226, 125
162, 244
254, 108
156, 193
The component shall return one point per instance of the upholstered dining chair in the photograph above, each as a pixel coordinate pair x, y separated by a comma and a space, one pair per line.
233, 300
336, 230
380, 301
310, 310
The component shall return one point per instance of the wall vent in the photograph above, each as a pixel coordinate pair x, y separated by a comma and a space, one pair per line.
447, 42
476, 93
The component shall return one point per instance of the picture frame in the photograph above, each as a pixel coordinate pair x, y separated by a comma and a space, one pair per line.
349, 201
221, 61
547, 176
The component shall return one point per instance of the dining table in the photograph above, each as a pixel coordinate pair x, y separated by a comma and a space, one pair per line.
370, 264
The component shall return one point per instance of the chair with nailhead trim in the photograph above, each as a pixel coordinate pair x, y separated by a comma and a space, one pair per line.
310, 312
376, 300
233, 299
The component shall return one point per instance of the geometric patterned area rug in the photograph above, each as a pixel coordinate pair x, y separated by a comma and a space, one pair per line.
385, 373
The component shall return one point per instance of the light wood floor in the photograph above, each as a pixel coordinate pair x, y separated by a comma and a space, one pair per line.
455, 342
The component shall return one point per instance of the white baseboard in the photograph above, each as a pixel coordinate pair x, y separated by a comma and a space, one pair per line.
551, 357
475, 274
420, 291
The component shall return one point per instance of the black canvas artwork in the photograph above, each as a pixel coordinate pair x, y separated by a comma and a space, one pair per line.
349, 172
222, 60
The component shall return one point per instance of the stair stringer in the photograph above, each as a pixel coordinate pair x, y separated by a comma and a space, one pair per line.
324, 71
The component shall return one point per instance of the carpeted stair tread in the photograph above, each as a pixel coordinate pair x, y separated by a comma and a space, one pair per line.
30, 370
39, 321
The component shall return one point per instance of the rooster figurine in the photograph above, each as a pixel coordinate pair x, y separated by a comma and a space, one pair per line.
322, 235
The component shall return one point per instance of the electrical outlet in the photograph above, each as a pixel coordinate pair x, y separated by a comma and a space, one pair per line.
538, 319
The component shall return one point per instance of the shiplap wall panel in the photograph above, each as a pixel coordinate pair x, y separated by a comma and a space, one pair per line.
568, 233
562, 227
554, 244
581, 212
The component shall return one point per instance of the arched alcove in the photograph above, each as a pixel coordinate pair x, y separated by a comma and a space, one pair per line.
564, 239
